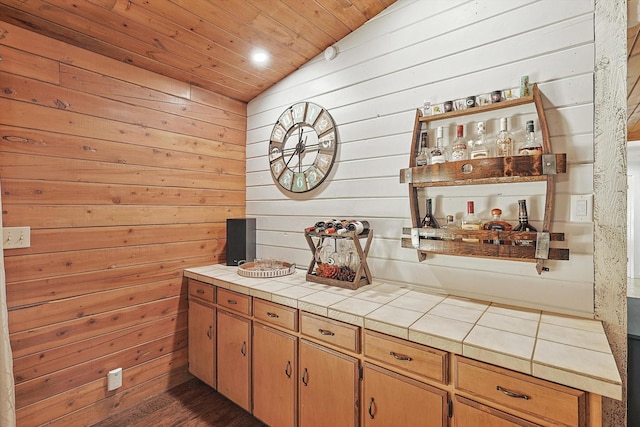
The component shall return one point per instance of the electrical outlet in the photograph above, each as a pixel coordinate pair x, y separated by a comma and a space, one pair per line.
114, 379
16, 237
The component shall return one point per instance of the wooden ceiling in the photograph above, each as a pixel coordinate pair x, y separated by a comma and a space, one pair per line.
205, 42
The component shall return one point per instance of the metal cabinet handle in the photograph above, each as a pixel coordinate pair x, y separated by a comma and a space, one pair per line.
326, 332
305, 377
371, 403
200, 291
288, 370
209, 330
400, 356
232, 302
243, 349
512, 394
273, 315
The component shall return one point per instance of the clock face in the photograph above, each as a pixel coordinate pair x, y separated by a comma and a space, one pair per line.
302, 147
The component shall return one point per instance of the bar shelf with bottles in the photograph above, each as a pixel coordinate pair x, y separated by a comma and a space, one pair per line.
319, 238
543, 166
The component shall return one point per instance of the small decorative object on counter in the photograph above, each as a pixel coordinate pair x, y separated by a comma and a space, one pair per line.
504, 141
265, 268
531, 144
497, 223
523, 224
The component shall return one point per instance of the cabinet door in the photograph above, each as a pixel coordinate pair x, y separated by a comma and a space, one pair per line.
328, 387
234, 356
274, 376
469, 413
392, 400
202, 342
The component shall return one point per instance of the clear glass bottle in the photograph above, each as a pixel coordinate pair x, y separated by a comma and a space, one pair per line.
531, 144
497, 223
523, 224
450, 225
423, 154
480, 149
437, 154
458, 149
504, 140
471, 222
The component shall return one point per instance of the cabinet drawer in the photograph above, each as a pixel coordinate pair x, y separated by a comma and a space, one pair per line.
201, 290
275, 314
331, 331
234, 301
539, 398
418, 359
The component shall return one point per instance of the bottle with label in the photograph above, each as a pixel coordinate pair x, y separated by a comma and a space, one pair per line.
523, 224
458, 149
358, 226
497, 223
430, 221
437, 154
450, 225
423, 154
471, 222
504, 140
530, 145
480, 148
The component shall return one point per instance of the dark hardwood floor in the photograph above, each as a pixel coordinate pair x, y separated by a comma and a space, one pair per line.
192, 404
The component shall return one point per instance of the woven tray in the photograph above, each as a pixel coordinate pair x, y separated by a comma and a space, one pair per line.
249, 269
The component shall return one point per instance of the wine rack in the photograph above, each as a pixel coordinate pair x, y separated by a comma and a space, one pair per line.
493, 170
362, 275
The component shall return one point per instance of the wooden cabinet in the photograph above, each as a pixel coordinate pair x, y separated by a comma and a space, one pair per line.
275, 372
202, 332
469, 413
392, 400
234, 358
493, 170
328, 384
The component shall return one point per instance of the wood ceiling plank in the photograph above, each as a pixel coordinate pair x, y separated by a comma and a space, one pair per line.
312, 11
345, 11
368, 8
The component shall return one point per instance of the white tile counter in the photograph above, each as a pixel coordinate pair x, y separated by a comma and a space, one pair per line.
568, 350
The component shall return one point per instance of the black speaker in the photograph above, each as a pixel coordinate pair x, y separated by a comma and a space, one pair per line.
241, 240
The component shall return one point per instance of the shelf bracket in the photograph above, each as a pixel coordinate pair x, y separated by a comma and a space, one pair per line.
408, 175
549, 164
542, 245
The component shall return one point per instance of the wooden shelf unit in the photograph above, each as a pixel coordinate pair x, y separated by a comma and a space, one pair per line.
493, 170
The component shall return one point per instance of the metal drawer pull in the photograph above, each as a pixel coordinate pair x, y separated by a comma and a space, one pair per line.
200, 291
371, 403
326, 332
232, 302
274, 315
305, 377
287, 369
512, 394
243, 349
400, 356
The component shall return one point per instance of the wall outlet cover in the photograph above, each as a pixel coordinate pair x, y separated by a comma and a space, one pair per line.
114, 379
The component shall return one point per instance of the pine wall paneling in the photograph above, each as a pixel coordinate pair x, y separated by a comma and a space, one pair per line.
385, 71
125, 178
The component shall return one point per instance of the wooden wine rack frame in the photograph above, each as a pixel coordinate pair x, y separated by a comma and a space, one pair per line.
363, 274
494, 170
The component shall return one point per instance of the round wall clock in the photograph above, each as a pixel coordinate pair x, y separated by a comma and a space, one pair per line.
302, 148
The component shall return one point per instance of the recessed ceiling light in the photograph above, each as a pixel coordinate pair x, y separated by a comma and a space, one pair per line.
260, 57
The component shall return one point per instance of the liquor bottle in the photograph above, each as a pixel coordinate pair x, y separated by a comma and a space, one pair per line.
480, 148
504, 140
430, 221
523, 224
451, 226
471, 222
437, 154
497, 223
458, 149
531, 145
423, 157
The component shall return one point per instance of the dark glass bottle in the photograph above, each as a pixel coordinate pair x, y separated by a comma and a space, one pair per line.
523, 223
430, 221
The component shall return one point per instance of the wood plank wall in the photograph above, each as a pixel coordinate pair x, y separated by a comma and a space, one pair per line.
385, 71
125, 178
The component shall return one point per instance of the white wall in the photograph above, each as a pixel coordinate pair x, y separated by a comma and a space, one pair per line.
438, 50
633, 208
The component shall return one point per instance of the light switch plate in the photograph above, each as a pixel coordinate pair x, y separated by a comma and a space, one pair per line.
581, 208
16, 237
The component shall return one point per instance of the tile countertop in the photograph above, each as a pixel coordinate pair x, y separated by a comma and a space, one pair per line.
568, 350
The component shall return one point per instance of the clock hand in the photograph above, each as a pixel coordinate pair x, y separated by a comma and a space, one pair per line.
300, 152
292, 154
